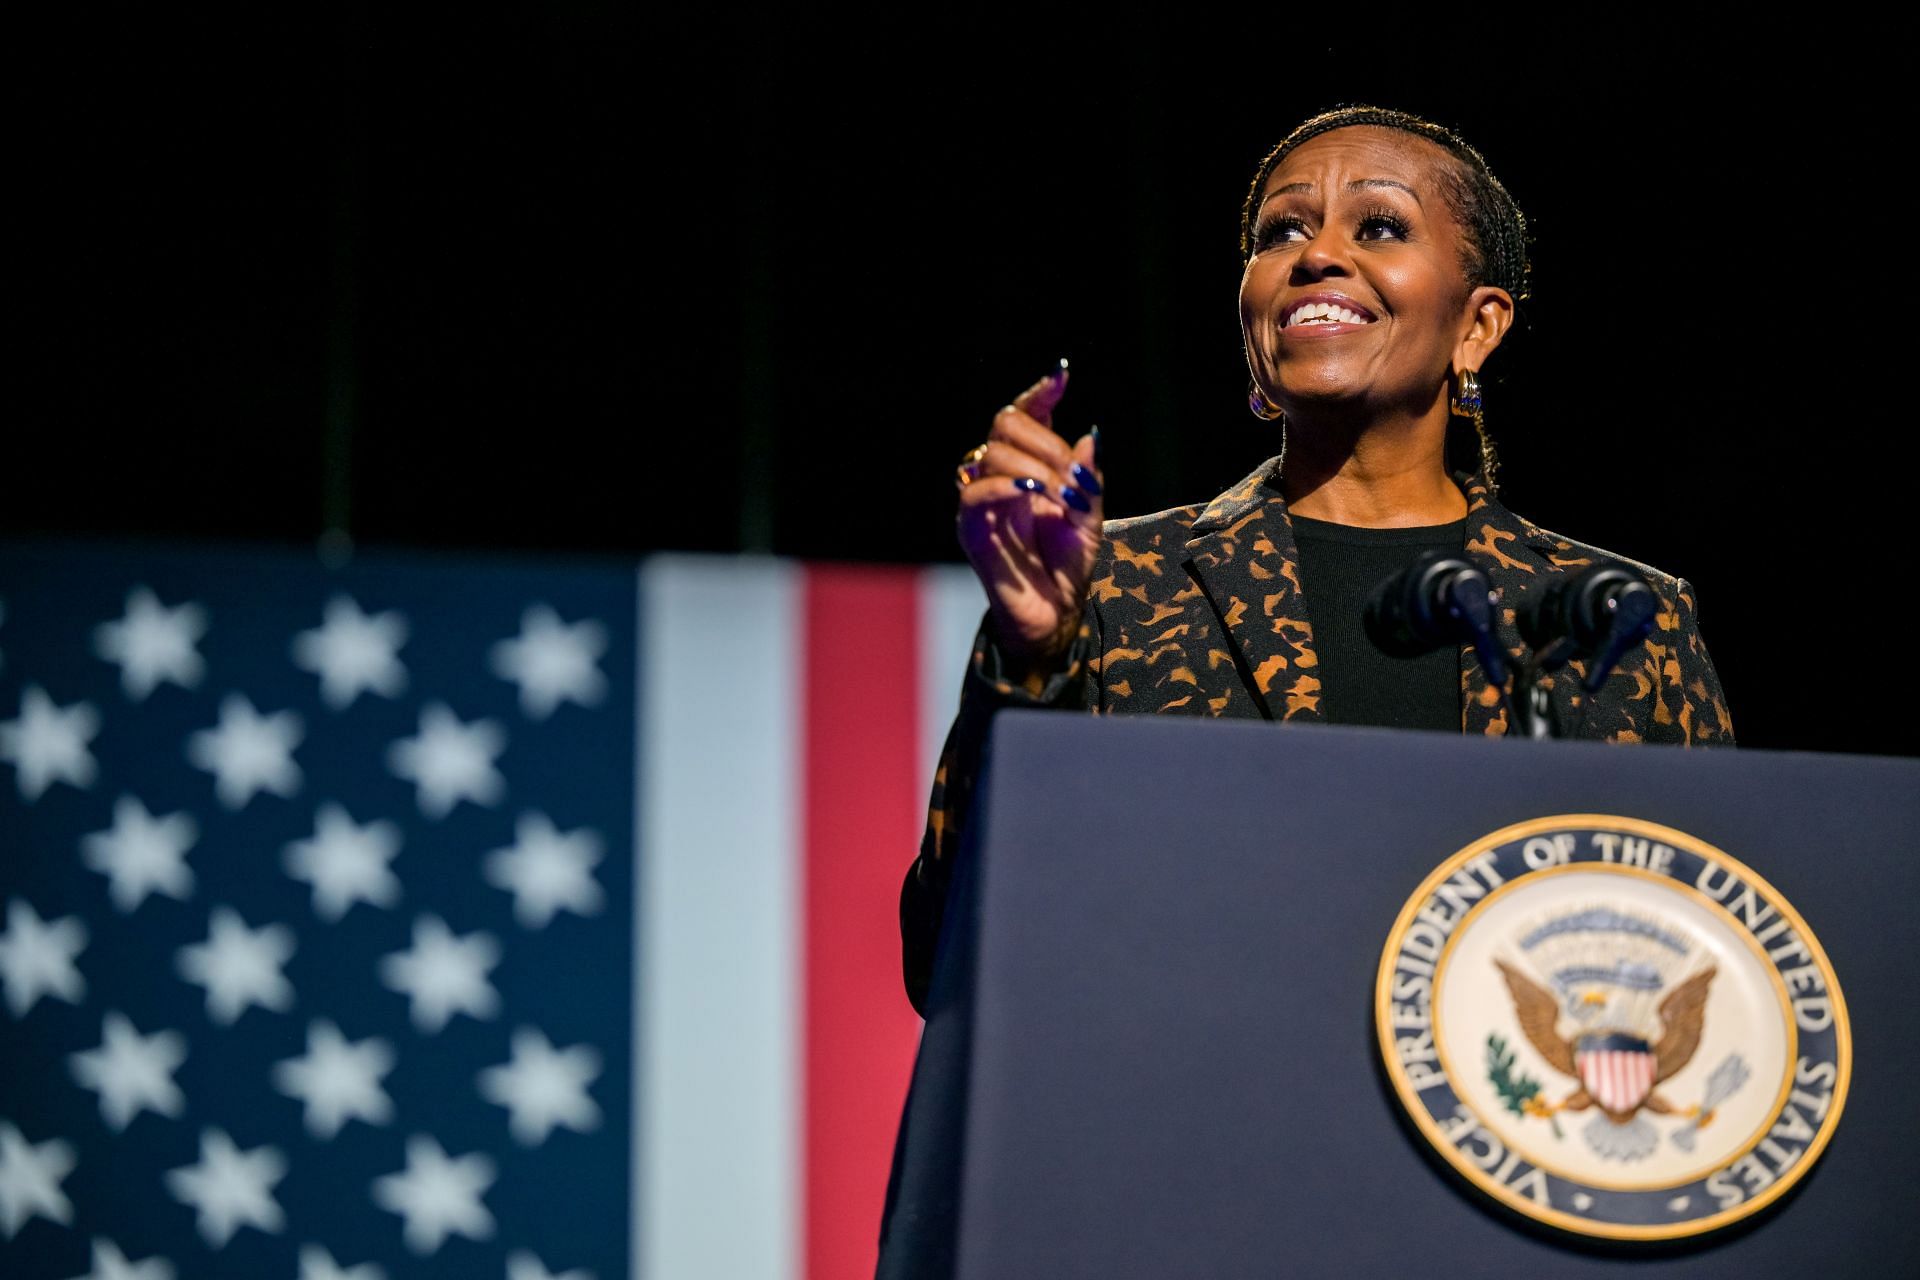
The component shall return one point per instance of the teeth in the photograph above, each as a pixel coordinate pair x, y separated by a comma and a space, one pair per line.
1324, 313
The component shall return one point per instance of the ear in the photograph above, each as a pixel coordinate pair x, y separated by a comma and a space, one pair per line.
1489, 313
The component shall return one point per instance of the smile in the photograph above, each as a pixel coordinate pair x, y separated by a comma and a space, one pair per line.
1316, 310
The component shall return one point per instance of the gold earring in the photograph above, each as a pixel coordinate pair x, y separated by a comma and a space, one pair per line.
1467, 403
1257, 402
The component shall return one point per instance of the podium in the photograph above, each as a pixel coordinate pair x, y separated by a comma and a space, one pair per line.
1151, 1050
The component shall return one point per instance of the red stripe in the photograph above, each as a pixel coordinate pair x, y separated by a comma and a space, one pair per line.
864, 805
1618, 1078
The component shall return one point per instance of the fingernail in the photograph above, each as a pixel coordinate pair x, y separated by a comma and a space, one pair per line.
1074, 498
1085, 479
1029, 484
1096, 451
1059, 375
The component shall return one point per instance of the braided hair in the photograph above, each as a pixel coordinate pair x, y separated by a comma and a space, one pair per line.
1493, 230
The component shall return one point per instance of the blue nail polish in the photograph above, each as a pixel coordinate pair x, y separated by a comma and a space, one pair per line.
1086, 480
1075, 499
1029, 484
1096, 449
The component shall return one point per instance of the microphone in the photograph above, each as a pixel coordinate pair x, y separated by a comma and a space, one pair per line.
1437, 600
1604, 610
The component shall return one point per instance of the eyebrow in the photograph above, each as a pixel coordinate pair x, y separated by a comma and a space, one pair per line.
1358, 184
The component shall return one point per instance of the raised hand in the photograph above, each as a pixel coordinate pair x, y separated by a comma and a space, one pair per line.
1030, 523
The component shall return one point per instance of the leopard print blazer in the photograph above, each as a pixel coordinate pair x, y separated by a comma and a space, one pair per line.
1198, 610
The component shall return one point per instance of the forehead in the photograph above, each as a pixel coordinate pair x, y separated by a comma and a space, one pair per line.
1360, 151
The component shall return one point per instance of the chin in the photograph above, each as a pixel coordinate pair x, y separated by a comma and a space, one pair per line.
1326, 391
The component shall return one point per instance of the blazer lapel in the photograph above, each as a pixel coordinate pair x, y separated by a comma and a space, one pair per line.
1514, 554
1242, 553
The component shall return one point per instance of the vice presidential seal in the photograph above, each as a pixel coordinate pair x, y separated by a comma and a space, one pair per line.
1613, 1027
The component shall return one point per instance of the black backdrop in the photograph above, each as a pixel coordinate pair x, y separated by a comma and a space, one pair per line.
579, 279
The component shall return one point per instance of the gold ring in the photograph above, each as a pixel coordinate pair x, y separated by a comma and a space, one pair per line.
965, 474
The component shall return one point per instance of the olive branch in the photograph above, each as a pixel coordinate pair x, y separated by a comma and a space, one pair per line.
1515, 1091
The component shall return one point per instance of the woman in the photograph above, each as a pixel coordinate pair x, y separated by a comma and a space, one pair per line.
1383, 263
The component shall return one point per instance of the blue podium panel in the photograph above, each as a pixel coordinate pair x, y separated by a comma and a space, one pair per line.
1164, 1062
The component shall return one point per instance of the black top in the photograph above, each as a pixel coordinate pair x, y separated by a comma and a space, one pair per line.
1340, 565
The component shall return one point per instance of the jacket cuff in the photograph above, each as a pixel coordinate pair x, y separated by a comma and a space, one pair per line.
990, 681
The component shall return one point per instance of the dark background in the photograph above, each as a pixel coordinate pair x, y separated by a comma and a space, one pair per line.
579, 279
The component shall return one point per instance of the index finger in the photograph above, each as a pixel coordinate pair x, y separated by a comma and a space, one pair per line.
1038, 401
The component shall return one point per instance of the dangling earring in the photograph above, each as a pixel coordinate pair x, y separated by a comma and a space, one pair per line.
1468, 404
1257, 402
1269, 412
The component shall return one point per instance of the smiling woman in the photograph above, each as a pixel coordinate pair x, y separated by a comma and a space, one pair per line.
1384, 265
1364, 206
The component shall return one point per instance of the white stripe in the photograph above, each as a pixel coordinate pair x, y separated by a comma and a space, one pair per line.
951, 606
717, 1101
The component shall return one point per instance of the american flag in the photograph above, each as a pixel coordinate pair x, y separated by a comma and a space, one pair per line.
439, 916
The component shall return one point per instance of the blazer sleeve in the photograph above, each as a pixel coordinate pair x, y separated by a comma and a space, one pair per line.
985, 690
1693, 707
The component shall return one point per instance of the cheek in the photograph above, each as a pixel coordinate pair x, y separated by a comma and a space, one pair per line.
1417, 291
1258, 286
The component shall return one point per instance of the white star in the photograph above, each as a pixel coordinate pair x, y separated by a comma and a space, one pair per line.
450, 761
543, 1087
317, 1264
48, 744
111, 1264
230, 1188
552, 661
153, 643
131, 1071
443, 975
249, 752
142, 854
546, 871
239, 966
522, 1265
36, 957
437, 1196
353, 653
346, 863
30, 1177
337, 1081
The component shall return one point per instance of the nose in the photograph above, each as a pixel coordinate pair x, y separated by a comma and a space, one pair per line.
1327, 254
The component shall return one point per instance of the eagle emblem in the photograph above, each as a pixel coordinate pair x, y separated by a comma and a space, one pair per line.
1620, 1011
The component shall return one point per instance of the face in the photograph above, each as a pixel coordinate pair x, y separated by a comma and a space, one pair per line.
1356, 294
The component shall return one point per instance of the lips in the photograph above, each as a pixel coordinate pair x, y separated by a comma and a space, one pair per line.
1324, 311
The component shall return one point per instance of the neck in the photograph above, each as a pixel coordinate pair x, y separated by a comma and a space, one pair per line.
1378, 475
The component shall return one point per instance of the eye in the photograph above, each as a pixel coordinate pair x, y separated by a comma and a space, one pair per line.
1274, 230
1383, 220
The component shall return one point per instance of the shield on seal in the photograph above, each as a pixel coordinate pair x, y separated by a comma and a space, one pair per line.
1617, 1070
